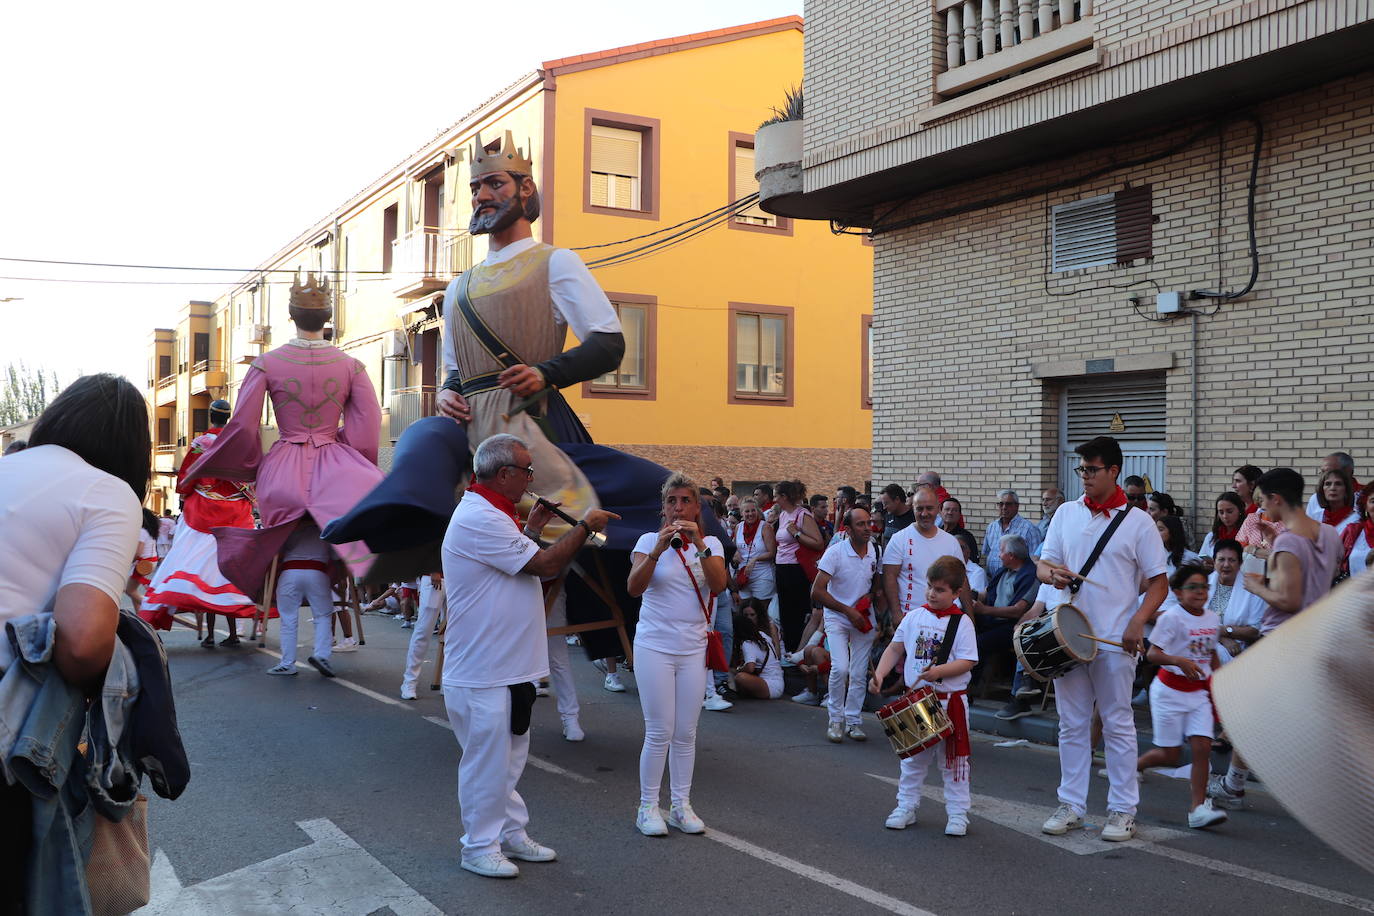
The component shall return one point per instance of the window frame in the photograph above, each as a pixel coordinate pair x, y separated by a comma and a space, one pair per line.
648, 166
650, 390
783, 226
786, 312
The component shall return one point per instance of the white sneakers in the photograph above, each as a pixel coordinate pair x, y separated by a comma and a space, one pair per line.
572, 731
526, 850
282, 670
1120, 827
348, 645
855, 732
491, 865
649, 821
807, 698
681, 816
407, 691
900, 818
957, 825
1204, 815
612, 683
715, 702
835, 732
1222, 795
1062, 821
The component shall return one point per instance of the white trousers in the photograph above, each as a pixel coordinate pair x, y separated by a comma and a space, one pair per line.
431, 601
305, 586
489, 769
560, 669
1106, 681
849, 651
913, 775
670, 692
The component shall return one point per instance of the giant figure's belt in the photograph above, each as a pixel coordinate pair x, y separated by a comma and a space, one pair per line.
479, 383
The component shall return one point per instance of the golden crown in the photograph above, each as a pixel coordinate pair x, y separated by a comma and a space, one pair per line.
313, 295
504, 156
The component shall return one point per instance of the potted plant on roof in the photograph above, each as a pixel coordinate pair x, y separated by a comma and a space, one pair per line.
778, 149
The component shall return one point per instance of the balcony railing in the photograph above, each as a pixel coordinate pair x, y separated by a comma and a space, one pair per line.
424, 260
166, 392
207, 374
408, 405
986, 40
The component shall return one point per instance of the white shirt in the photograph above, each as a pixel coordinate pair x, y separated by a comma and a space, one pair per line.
671, 619
578, 302
1134, 555
851, 576
913, 552
921, 634
495, 633
1178, 632
1050, 596
62, 522
770, 669
977, 579
1359, 555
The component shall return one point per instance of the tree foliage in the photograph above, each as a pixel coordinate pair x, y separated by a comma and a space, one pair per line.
24, 392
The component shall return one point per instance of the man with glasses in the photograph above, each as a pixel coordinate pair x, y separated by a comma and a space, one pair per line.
1009, 521
1050, 500
1133, 555
1134, 488
909, 553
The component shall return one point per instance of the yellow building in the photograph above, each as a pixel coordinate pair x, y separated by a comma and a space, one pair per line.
746, 334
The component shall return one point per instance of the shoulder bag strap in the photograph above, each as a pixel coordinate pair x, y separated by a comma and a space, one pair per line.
494, 345
1101, 544
705, 607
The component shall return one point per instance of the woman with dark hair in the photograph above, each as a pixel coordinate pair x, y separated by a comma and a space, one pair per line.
75, 495
1230, 510
1243, 481
796, 528
1175, 543
1161, 504
1336, 497
758, 672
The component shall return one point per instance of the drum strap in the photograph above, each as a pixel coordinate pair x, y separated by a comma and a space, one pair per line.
1101, 544
947, 645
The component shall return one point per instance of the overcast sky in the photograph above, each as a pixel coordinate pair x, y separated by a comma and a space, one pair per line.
194, 134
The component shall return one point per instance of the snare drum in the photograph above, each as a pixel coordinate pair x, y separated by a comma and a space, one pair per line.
915, 721
1054, 644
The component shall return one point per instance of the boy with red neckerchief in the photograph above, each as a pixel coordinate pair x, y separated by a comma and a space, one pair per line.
919, 637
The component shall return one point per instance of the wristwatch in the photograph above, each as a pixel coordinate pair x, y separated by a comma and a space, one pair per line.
703, 554
1230, 631
582, 522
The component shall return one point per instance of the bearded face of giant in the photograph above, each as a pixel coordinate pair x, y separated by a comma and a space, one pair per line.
497, 205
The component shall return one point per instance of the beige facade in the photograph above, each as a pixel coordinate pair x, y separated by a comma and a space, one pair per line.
994, 355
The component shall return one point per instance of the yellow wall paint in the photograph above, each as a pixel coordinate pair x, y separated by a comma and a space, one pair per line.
700, 96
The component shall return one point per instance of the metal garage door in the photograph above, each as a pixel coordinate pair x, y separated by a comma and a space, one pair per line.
1132, 411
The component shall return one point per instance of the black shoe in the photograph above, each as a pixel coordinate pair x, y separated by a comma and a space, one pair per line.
208, 642
1014, 709
231, 641
321, 665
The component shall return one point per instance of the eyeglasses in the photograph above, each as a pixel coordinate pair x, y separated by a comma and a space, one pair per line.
1088, 470
529, 471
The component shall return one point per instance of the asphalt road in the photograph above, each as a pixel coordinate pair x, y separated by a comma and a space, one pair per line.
795, 824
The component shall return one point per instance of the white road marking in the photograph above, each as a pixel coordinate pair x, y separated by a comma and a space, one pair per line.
536, 762
332, 876
801, 869
1026, 819
356, 688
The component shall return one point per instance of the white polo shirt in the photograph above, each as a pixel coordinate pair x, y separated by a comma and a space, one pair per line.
851, 575
1133, 555
495, 634
922, 633
671, 619
913, 552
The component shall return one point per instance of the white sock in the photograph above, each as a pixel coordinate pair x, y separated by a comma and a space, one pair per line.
1235, 778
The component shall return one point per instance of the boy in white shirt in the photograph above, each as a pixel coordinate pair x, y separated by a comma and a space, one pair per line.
1184, 643
919, 636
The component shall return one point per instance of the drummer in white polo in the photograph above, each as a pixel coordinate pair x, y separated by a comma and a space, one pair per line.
1134, 554
844, 587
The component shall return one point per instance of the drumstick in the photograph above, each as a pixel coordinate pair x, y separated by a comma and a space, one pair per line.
1110, 642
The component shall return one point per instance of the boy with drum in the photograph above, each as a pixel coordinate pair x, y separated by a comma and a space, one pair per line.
1184, 643
920, 636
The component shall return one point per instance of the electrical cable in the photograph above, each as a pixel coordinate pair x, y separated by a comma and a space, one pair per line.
1251, 189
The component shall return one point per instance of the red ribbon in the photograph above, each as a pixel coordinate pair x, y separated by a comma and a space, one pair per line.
957, 747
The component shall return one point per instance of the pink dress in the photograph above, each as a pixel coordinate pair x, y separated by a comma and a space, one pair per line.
315, 472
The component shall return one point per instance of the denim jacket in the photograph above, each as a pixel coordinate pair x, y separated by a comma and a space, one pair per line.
42, 719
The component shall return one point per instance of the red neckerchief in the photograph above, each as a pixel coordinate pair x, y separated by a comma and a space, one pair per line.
1226, 534
1368, 527
497, 500
1334, 516
952, 609
766, 506
213, 431
750, 533
1115, 501
1251, 508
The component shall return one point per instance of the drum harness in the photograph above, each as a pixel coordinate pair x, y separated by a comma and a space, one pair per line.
1101, 545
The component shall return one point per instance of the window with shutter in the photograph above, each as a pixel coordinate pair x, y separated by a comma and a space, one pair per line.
762, 352
745, 185
632, 372
1108, 229
617, 164
1132, 410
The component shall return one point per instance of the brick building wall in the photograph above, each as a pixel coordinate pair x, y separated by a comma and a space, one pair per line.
822, 470
1284, 374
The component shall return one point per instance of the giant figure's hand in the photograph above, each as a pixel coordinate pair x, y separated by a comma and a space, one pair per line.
521, 379
452, 404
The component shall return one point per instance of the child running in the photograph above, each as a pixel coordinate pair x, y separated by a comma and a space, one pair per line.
919, 636
1184, 643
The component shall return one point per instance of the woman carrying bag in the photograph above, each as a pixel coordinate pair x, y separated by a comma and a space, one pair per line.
678, 573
